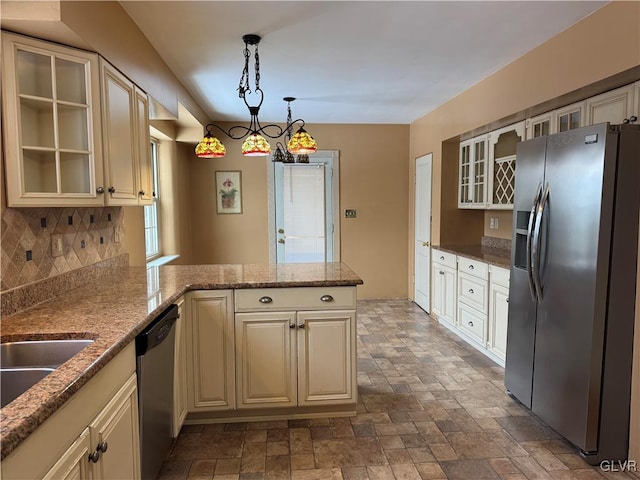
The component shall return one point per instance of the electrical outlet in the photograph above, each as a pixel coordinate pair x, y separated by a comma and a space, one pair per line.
350, 213
496, 223
117, 234
56, 245
492, 223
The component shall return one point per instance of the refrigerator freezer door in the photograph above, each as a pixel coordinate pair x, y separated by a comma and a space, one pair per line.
522, 307
573, 246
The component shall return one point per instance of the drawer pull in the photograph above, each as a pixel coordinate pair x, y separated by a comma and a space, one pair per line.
265, 299
507, 300
470, 324
471, 291
441, 272
292, 325
441, 257
301, 325
471, 267
326, 298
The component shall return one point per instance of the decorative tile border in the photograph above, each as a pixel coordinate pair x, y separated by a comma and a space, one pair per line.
21, 298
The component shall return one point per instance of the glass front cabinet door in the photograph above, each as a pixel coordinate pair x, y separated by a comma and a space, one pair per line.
502, 164
51, 97
472, 173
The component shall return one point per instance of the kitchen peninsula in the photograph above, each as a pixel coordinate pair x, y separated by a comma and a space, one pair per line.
114, 309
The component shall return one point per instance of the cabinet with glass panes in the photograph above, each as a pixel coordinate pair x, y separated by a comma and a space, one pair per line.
53, 149
472, 173
502, 165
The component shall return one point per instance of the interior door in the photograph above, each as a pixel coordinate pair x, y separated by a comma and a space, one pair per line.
304, 205
422, 242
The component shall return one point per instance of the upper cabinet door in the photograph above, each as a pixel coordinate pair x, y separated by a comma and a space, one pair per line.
570, 117
614, 106
120, 150
51, 98
143, 143
541, 125
464, 175
472, 173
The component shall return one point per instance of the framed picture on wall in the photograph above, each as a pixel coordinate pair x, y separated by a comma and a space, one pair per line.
229, 192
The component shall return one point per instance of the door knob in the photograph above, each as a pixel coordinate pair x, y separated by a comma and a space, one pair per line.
281, 240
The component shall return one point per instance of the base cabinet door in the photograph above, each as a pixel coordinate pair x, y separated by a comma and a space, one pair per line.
180, 371
449, 297
326, 358
74, 464
498, 317
210, 338
115, 437
266, 359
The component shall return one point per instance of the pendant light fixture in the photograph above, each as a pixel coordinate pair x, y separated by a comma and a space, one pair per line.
255, 144
286, 155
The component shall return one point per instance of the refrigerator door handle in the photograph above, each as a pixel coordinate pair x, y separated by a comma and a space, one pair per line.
536, 242
532, 218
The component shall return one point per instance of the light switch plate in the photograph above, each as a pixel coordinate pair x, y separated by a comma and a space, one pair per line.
56, 245
350, 213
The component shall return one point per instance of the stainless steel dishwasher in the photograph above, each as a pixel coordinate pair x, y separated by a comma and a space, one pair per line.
154, 365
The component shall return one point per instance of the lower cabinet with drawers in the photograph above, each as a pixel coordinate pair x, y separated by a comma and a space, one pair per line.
264, 353
471, 297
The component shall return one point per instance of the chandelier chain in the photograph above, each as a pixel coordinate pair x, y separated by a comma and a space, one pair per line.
257, 69
243, 86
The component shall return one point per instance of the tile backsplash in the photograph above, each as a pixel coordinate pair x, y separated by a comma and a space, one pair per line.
40, 243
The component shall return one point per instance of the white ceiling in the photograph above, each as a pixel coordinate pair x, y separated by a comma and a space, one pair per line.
346, 61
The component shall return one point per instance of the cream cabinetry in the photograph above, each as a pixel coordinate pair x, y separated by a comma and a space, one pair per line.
210, 350
498, 311
443, 281
473, 299
93, 435
541, 125
295, 347
502, 165
570, 117
472, 173
615, 106
127, 154
52, 126
180, 371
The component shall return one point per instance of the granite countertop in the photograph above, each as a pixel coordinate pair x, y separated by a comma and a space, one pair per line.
114, 309
499, 257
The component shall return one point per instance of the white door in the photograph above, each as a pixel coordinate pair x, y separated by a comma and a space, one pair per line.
422, 222
304, 203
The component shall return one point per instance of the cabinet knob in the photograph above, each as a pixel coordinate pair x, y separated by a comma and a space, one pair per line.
441, 257
292, 325
94, 456
471, 267
301, 325
471, 291
441, 272
102, 447
507, 300
326, 298
265, 299
470, 324
141, 192
100, 190
281, 230
281, 240
425, 244
112, 189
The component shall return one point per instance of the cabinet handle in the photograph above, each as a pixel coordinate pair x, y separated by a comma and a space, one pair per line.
470, 324
141, 192
292, 325
471, 291
326, 298
281, 240
301, 325
102, 447
425, 244
441, 272
441, 258
112, 189
100, 190
94, 456
265, 299
471, 267
507, 300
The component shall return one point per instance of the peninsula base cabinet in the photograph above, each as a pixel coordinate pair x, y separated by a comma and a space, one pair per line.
180, 388
93, 435
471, 298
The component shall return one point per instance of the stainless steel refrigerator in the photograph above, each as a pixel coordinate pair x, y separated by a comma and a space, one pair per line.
573, 283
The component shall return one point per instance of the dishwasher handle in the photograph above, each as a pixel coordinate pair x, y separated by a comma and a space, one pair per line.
155, 333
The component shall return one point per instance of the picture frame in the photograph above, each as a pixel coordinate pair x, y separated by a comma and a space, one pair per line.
228, 192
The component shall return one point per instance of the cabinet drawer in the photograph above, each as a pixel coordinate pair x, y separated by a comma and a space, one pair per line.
297, 298
472, 323
443, 258
473, 292
473, 267
499, 276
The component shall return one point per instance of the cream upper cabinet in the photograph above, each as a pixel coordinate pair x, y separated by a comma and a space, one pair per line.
180, 371
443, 281
52, 126
472, 173
614, 106
570, 117
300, 355
498, 311
127, 154
541, 125
210, 350
502, 165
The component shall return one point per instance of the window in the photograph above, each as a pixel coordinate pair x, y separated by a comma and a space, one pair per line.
151, 221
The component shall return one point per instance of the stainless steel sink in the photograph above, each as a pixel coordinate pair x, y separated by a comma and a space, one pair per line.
15, 381
39, 353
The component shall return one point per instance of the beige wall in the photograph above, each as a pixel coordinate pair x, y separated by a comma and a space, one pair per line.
373, 180
576, 57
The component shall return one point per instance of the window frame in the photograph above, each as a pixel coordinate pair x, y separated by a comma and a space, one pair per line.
155, 206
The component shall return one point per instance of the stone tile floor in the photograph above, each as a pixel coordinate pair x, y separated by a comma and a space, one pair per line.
430, 407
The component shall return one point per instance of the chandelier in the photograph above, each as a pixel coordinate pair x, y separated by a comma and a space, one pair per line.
256, 144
